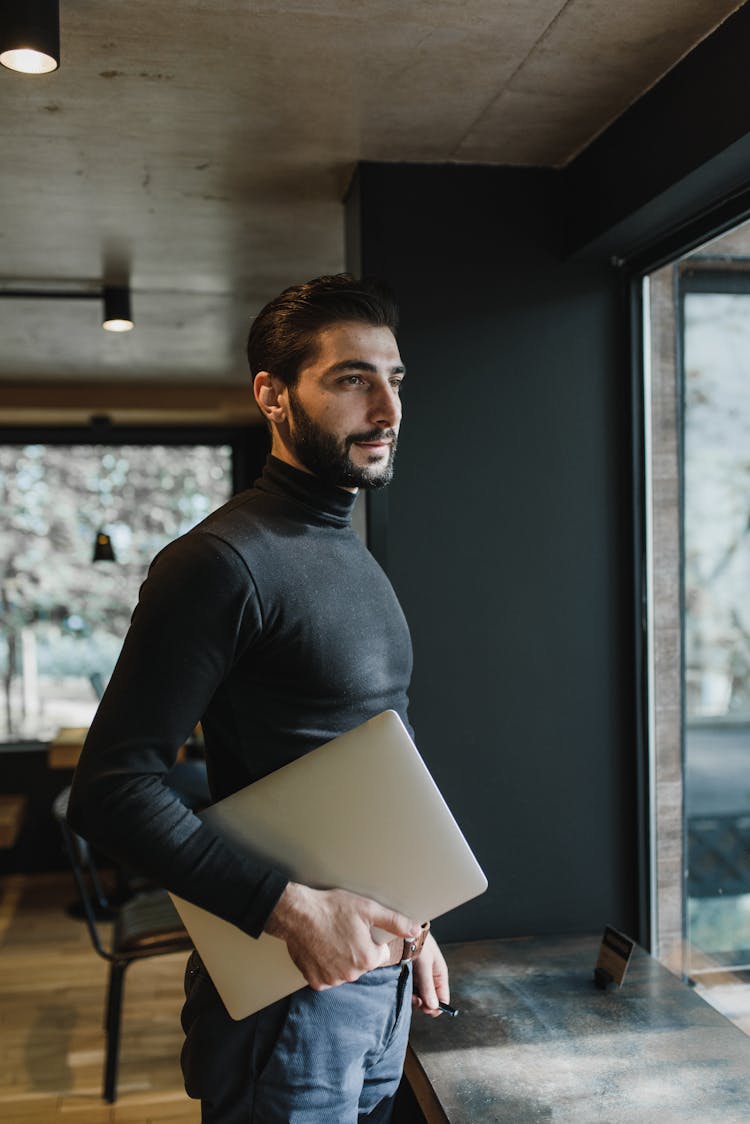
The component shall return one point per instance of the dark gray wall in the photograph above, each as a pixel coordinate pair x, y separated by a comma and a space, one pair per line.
508, 536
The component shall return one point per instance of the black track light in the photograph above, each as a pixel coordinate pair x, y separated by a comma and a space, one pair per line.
30, 35
117, 314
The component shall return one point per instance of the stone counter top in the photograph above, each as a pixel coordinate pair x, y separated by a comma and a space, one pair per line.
537, 1041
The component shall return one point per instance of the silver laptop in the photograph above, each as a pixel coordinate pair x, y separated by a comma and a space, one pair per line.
361, 813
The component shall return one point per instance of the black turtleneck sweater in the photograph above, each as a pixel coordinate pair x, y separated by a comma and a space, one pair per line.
272, 625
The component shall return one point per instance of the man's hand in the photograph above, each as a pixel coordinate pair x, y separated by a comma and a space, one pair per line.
328, 933
430, 975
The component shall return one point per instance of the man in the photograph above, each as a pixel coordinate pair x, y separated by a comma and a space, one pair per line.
274, 626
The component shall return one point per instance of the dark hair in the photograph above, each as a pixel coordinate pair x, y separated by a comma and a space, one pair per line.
282, 336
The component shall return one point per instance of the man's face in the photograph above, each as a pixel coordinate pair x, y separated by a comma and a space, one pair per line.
344, 411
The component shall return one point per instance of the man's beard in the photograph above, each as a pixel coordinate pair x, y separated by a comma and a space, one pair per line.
328, 456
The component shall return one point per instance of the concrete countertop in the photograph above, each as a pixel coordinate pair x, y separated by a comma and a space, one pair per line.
537, 1041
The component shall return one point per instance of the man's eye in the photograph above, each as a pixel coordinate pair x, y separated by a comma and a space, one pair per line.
352, 380
396, 384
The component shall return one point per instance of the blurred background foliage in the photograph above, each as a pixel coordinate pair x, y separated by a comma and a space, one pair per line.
62, 616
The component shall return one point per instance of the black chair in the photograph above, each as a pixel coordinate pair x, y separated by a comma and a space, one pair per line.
145, 925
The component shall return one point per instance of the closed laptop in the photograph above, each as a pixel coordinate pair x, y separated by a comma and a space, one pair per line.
361, 813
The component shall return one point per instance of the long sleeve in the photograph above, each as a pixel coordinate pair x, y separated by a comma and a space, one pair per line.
198, 612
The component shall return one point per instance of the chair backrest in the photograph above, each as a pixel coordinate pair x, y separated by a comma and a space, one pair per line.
84, 870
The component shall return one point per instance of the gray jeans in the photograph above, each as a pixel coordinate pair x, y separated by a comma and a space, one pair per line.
317, 1057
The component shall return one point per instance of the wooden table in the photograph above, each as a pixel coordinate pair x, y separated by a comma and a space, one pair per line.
65, 748
536, 1041
12, 811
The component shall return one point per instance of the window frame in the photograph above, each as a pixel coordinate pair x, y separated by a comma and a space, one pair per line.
655, 893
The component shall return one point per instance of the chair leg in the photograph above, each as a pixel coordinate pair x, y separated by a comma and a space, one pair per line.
101, 897
112, 1027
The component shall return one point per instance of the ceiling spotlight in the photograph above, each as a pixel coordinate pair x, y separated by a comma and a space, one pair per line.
30, 35
117, 315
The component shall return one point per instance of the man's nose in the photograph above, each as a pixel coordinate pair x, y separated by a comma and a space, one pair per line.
385, 408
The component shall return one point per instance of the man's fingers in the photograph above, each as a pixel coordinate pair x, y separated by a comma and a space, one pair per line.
427, 992
394, 923
385, 954
430, 979
334, 936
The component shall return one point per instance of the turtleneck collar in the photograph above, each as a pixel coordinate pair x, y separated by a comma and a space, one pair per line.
326, 501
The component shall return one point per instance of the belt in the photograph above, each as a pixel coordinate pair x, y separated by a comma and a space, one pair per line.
404, 951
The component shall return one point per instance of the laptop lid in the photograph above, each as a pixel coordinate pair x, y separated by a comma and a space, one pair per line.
361, 813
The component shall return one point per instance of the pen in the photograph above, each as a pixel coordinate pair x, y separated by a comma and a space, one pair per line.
447, 1009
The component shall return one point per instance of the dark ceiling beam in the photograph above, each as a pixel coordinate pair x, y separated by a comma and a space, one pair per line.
681, 147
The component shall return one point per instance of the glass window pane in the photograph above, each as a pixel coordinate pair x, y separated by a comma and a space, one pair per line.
717, 624
63, 617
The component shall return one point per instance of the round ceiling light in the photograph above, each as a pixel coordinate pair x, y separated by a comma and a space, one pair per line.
25, 60
30, 36
117, 314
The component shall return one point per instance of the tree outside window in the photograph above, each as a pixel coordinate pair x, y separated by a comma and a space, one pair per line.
63, 617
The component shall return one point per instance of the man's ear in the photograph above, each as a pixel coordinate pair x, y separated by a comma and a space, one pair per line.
270, 394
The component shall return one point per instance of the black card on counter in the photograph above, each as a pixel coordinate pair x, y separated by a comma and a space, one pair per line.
614, 957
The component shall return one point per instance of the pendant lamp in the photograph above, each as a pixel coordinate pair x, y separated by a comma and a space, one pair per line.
103, 550
30, 35
117, 314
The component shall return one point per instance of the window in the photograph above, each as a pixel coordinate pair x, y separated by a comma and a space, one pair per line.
63, 617
698, 470
716, 530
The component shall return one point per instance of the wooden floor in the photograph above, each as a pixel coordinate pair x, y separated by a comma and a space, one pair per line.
52, 988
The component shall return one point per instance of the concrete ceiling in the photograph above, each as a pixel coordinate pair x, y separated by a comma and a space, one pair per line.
202, 150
